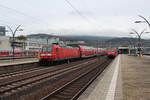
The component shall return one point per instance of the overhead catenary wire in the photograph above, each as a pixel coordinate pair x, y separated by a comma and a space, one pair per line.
34, 20
39, 20
4, 18
83, 16
24, 14
91, 15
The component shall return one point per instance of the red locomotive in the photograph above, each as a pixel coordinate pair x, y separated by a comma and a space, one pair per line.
56, 53
112, 52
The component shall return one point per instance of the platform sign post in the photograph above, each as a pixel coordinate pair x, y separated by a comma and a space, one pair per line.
139, 40
13, 37
13, 47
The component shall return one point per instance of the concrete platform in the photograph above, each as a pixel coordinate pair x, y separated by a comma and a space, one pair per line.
127, 78
17, 61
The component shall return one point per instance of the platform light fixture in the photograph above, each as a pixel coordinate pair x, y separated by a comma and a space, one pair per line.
13, 36
145, 20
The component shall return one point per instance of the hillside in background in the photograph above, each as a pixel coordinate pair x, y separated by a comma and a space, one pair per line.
87, 37
40, 35
71, 37
102, 41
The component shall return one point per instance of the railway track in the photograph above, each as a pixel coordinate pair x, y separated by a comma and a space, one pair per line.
72, 90
5, 75
21, 83
18, 72
6, 69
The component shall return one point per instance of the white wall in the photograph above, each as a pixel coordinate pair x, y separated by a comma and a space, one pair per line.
4, 43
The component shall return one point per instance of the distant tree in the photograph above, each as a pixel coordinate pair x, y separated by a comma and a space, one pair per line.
21, 37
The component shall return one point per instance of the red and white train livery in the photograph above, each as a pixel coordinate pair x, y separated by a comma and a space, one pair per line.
56, 53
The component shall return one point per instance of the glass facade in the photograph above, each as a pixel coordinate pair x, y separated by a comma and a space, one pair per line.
2, 30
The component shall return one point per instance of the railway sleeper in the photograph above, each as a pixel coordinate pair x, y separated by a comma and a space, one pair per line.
66, 96
69, 90
73, 87
12, 81
63, 96
66, 93
26, 89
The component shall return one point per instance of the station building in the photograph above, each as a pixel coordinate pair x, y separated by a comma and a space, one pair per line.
5, 43
146, 50
131, 50
29, 44
123, 50
2, 31
37, 43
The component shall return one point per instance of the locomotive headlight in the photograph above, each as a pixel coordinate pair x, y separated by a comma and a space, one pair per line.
48, 54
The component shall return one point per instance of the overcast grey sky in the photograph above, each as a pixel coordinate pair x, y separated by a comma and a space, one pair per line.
103, 17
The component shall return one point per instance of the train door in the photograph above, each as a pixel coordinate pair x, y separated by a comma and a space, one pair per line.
57, 54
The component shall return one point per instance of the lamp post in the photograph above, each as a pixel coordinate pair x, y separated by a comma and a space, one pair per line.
13, 37
139, 38
47, 41
132, 43
145, 20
